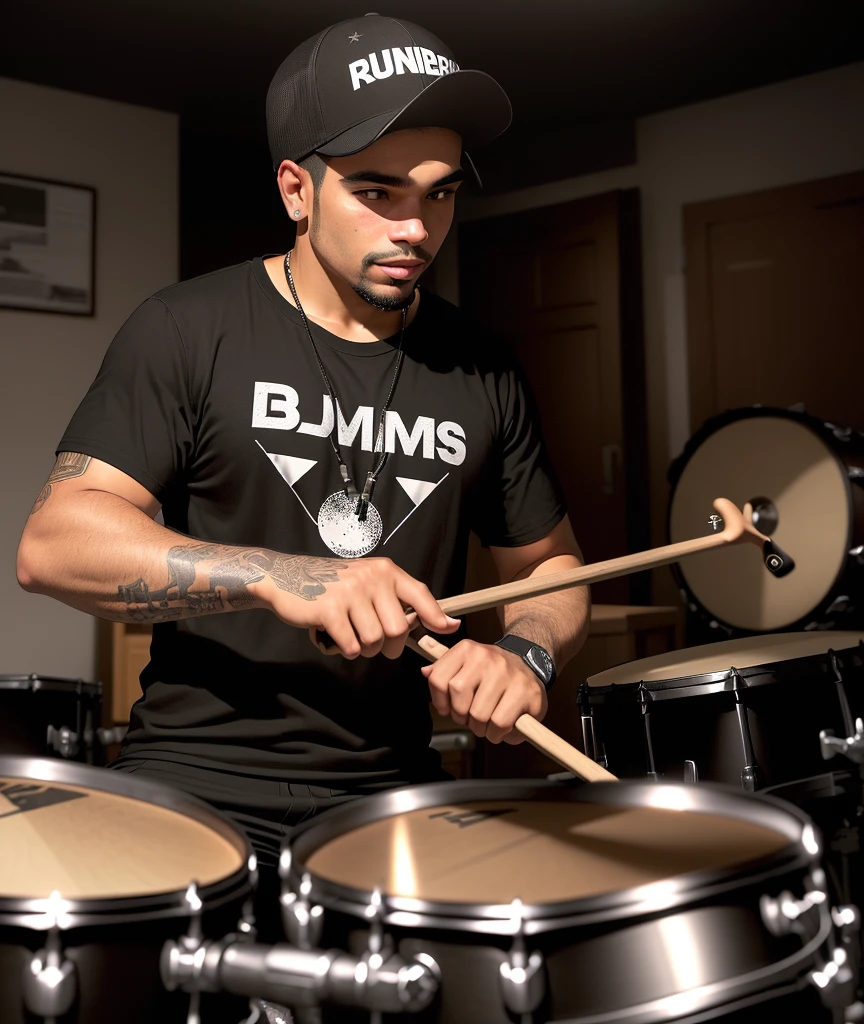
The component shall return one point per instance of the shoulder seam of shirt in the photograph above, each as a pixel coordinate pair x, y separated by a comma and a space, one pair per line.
95, 444
186, 372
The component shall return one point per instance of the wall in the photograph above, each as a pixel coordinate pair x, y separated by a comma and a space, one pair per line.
47, 361
793, 131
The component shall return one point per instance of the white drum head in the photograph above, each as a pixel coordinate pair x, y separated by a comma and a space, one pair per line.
784, 461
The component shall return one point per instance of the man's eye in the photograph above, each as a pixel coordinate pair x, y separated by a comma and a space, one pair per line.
441, 193
371, 193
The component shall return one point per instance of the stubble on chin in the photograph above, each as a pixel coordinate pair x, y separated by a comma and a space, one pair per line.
392, 303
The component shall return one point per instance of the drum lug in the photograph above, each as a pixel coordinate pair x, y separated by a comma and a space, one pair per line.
691, 772
852, 746
246, 925
302, 920
784, 914
62, 741
523, 981
50, 980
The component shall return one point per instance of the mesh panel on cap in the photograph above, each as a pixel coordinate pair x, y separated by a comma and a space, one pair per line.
294, 120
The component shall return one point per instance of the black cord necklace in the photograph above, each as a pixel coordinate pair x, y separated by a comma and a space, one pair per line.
364, 497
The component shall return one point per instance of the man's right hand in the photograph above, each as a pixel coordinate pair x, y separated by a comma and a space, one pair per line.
360, 602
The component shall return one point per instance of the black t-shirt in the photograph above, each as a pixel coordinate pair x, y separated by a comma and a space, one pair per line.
211, 397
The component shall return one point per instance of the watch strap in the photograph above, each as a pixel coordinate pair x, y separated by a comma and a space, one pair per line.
537, 658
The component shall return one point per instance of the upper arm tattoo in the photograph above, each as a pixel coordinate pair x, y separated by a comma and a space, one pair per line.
67, 466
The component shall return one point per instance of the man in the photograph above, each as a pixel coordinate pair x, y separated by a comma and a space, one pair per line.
290, 415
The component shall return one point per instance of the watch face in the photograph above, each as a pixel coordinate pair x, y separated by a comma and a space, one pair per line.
541, 662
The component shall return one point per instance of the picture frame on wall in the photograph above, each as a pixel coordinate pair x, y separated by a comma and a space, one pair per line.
47, 246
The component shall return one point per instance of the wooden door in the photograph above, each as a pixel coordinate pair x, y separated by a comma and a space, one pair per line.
775, 300
562, 284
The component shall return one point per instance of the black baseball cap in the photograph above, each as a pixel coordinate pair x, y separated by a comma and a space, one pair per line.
339, 91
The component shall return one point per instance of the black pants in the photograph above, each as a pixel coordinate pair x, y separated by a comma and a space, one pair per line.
265, 810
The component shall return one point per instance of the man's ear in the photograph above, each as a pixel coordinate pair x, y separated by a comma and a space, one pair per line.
296, 189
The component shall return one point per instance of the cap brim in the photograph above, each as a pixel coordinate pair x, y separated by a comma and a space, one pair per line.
470, 103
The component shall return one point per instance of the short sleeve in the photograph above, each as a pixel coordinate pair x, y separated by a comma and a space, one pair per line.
137, 415
521, 500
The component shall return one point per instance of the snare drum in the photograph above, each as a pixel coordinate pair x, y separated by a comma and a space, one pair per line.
746, 712
614, 903
95, 873
46, 715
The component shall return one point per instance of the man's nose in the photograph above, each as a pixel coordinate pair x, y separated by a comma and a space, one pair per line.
413, 231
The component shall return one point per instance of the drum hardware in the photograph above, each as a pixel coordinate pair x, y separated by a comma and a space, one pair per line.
691, 773
109, 736
596, 751
50, 983
787, 915
301, 920
301, 978
523, 982
652, 772
64, 741
298, 973
751, 777
841, 691
852, 746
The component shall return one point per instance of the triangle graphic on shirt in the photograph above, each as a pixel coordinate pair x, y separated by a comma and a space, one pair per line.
417, 490
291, 467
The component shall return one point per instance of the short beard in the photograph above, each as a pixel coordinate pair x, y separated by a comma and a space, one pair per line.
390, 305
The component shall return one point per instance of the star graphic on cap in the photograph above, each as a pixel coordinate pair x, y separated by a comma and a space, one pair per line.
356, 37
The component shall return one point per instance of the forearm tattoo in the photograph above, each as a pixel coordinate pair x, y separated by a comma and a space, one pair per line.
224, 583
68, 465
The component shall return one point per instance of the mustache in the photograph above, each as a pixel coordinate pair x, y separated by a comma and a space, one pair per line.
413, 253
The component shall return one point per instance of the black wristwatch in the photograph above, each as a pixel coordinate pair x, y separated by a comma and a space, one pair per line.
537, 658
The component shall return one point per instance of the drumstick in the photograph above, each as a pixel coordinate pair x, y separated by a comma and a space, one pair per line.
535, 732
738, 529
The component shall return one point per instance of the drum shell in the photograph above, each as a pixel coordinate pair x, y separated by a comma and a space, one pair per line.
603, 965
694, 718
590, 971
30, 704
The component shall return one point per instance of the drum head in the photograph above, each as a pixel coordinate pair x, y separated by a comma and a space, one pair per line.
783, 460
92, 834
493, 852
746, 652
547, 846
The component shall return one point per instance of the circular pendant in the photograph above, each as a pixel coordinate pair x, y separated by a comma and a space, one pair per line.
343, 532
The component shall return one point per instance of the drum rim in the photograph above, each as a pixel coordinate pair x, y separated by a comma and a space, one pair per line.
816, 425
628, 903
30, 912
715, 682
34, 682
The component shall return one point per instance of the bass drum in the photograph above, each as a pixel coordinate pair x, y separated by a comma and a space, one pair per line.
96, 873
803, 478
611, 903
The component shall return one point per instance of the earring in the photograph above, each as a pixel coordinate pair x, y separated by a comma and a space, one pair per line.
297, 213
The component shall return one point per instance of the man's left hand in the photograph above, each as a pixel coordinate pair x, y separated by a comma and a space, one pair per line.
485, 688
